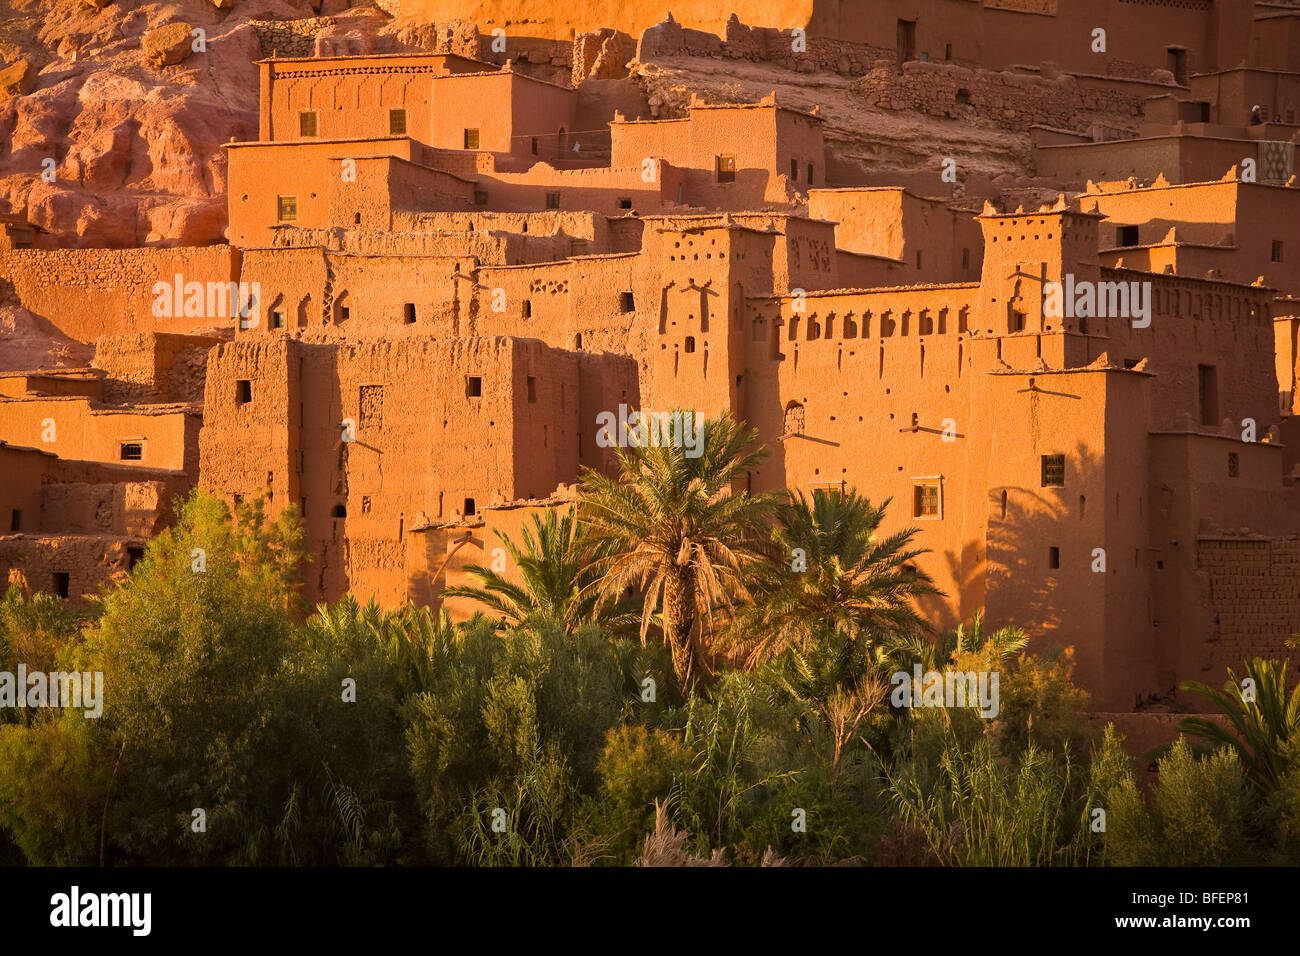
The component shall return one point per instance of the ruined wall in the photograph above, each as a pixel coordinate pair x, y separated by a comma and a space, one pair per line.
90, 293
1015, 101
150, 368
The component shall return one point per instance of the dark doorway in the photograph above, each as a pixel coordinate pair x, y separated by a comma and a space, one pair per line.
1178, 64
906, 41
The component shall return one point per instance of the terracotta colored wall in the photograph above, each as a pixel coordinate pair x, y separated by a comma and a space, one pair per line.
260, 172
1179, 159
931, 241
88, 293
409, 404
82, 431
145, 368
352, 95
508, 109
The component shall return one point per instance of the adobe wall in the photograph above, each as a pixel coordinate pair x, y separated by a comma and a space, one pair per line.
78, 429
1242, 219
1180, 159
1012, 100
90, 561
518, 437
352, 95
1233, 93
931, 242
261, 172
1008, 32
508, 109
55, 495
1201, 322
773, 150
52, 382
1251, 592
90, 293
150, 368
384, 185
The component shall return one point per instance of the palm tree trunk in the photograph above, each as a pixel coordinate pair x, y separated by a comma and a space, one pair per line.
679, 621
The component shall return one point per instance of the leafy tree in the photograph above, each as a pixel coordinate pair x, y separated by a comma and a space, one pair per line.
671, 526
557, 579
1264, 725
515, 722
190, 649
1199, 814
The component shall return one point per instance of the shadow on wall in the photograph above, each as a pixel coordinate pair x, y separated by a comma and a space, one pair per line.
1040, 554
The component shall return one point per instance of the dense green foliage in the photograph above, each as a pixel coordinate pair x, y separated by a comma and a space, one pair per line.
750, 721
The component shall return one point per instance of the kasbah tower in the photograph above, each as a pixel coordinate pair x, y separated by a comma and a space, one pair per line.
1022, 268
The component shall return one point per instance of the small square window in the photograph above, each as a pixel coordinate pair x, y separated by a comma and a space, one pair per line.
925, 499
1234, 465
552, 200
471, 139
726, 166
624, 202
287, 208
1277, 250
1054, 558
307, 123
470, 508
397, 122
690, 344
1053, 467
473, 386
1127, 235
277, 318
409, 313
532, 389
132, 451
243, 391
626, 302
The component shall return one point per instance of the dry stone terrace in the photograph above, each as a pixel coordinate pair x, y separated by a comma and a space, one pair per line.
460, 258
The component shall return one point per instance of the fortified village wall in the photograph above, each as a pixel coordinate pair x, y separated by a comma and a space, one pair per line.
429, 295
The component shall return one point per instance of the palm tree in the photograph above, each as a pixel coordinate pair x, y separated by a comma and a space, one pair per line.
832, 577
1265, 718
670, 526
555, 574
904, 650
